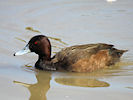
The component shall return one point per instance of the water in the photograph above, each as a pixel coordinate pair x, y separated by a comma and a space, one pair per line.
70, 22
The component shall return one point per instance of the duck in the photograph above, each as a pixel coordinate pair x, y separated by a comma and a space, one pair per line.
77, 58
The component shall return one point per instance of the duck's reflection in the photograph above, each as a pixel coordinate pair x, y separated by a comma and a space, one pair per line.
38, 90
89, 79
82, 82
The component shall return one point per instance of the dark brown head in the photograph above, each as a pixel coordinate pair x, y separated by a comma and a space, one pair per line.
38, 44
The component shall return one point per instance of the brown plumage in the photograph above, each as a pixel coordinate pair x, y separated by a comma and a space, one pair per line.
79, 58
87, 58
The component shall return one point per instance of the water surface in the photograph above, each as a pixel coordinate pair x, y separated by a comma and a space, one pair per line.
66, 23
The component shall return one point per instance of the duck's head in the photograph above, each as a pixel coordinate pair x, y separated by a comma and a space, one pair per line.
39, 44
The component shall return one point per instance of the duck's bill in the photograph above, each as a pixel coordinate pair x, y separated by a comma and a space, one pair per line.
23, 51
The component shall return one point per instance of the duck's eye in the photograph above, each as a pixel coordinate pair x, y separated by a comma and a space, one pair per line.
36, 42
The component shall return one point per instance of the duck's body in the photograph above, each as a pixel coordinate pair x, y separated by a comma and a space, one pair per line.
79, 58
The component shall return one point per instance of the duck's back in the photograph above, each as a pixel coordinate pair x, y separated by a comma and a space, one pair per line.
87, 58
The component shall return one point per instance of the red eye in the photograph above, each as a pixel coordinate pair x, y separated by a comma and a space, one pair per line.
35, 42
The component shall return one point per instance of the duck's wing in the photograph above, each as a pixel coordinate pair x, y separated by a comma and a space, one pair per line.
87, 58
90, 46
71, 54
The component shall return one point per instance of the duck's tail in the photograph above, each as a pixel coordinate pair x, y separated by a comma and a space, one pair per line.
115, 55
117, 52
120, 52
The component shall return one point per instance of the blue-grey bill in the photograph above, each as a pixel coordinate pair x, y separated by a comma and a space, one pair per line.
23, 51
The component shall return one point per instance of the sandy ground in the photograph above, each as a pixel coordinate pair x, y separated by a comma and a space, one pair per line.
74, 22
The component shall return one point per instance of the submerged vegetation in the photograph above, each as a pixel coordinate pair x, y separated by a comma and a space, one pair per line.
31, 29
20, 39
55, 45
57, 39
53, 38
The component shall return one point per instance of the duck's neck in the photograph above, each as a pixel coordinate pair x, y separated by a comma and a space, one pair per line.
44, 58
44, 63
